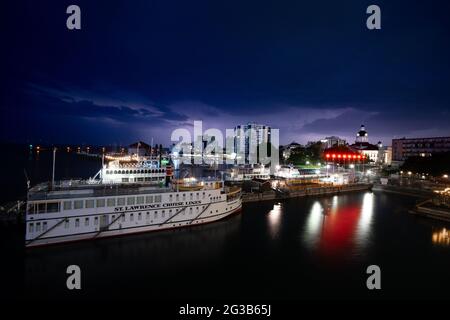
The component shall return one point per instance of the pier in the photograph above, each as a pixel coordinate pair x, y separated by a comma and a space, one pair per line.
304, 192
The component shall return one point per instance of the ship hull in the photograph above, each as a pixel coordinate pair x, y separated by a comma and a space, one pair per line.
183, 223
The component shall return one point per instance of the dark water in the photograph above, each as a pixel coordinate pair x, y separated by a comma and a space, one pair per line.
299, 249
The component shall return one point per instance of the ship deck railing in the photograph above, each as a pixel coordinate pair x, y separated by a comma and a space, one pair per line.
88, 189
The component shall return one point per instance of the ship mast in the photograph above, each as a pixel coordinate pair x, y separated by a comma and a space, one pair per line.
53, 167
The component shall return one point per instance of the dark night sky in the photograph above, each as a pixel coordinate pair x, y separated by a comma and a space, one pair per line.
139, 69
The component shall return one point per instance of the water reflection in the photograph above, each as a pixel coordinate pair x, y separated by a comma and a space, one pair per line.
274, 218
335, 228
441, 237
365, 220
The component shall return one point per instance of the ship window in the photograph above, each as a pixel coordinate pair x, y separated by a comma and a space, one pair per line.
86, 222
115, 171
198, 196
30, 209
140, 179
78, 204
66, 224
52, 206
38, 226
139, 200
139, 216
131, 200
156, 214
191, 196
131, 217
158, 198
148, 216
100, 203
125, 180
89, 203
31, 227
77, 222
123, 218
148, 199
44, 226
111, 202
67, 205
113, 217
120, 201
41, 208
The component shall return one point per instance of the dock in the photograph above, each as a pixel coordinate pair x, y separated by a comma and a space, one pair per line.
304, 192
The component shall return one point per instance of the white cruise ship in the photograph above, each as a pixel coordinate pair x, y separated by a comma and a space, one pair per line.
247, 173
123, 199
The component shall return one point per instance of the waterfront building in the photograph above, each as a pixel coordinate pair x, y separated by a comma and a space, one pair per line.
409, 147
248, 137
362, 145
385, 155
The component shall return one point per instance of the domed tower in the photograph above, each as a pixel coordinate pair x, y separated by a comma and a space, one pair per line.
362, 135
